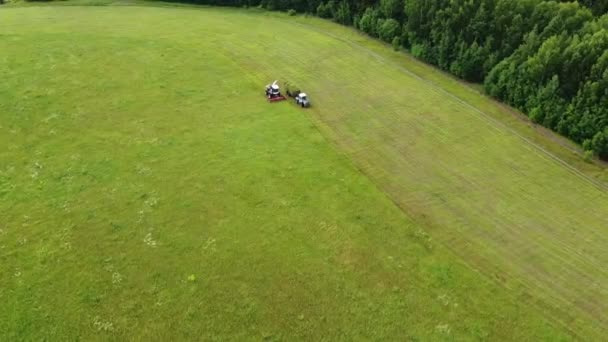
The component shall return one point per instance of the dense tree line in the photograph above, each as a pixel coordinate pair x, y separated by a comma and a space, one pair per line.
598, 7
547, 58
559, 76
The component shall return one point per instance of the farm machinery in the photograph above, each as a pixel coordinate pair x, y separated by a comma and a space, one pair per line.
300, 97
274, 94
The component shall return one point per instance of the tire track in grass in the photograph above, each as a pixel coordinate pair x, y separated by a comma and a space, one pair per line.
533, 147
496, 124
558, 245
517, 252
523, 248
437, 162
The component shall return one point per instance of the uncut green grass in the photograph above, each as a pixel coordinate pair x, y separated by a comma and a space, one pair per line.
147, 191
515, 121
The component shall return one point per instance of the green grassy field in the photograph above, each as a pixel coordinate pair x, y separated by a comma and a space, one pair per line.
148, 191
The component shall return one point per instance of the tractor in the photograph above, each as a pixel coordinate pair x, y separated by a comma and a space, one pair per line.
302, 100
300, 97
273, 93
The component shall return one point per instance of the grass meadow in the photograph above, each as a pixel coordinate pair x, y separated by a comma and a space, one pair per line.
149, 192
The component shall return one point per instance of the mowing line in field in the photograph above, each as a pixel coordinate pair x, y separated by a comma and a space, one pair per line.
540, 252
274, 227
496, 124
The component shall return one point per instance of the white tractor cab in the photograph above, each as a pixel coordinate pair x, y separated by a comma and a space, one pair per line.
302, 100
300, 97
273, 92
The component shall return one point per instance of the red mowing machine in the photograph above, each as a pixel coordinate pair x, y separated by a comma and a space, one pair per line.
273, 94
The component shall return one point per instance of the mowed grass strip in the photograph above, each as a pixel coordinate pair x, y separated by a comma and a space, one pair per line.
504, 205
149, 192
559, 147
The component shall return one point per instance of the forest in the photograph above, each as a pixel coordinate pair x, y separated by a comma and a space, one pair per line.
548, 59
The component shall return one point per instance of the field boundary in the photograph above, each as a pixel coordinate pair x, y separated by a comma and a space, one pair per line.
499, 126
496, 124
391, 197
